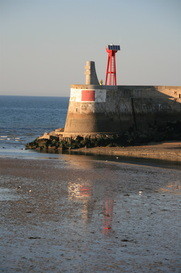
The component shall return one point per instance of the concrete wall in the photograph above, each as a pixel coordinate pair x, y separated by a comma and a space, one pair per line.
113, 109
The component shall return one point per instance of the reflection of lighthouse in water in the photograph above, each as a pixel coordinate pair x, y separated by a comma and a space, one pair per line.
82, 192
79, 190
108, 215
91, 194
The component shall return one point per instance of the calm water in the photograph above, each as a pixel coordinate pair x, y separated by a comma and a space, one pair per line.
22, 119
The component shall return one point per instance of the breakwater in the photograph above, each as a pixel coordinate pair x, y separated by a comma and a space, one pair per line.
99, 109
55, 142
101, 115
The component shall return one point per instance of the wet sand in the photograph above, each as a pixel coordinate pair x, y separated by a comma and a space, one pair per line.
74, 214
167, 151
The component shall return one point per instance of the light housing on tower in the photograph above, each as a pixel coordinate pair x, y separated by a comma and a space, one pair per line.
113, 47
111, 64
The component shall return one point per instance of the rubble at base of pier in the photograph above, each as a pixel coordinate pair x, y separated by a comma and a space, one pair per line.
54, 142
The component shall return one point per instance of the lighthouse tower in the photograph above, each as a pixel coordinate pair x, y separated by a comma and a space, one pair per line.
100, 110
111, 65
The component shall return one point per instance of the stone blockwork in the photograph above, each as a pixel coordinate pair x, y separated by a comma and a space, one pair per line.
100, 115
96, 109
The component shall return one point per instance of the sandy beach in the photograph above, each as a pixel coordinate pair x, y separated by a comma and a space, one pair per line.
76, 214
166, 151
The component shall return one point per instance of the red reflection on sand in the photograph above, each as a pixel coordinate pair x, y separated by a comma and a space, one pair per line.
108, 215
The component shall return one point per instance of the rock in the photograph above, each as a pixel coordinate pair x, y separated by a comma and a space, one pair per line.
34, 237
55, 142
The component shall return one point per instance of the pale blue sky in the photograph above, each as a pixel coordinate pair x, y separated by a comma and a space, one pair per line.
44, 44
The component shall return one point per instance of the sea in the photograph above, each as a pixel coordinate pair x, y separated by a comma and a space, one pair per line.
22, 119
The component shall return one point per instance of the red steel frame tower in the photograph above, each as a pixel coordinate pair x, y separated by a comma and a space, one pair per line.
111, 65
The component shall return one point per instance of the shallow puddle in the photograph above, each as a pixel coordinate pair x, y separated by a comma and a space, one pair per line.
8, 195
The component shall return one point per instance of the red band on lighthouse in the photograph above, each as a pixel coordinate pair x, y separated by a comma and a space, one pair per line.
88, 95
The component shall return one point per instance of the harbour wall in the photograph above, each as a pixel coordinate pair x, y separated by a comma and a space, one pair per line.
99, 109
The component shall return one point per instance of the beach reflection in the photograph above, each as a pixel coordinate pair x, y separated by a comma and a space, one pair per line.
95, 195
98, 198
107, 215
80, 162
79, 190
82, 192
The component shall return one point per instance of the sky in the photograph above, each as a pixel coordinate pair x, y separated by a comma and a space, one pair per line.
44, 44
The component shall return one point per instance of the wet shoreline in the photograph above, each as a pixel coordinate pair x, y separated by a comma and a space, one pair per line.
166, 151
81, 215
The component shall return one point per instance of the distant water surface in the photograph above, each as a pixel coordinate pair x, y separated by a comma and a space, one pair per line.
22, 119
